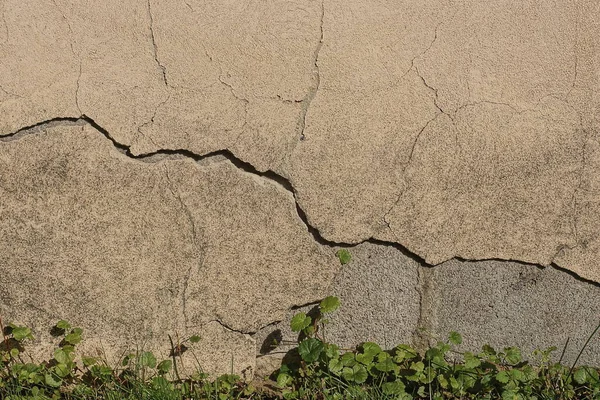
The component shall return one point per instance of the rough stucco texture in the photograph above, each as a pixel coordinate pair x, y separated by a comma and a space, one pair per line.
178, 137
158, 245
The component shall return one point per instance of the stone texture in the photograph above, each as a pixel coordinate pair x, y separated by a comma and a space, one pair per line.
507, 304
134, 249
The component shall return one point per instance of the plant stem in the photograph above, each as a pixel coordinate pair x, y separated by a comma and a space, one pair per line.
582, 350
174, 358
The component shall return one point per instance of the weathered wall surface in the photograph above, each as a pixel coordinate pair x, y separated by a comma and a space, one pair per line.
190, 166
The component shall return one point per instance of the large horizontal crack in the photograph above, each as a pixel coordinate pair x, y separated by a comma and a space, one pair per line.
162, 154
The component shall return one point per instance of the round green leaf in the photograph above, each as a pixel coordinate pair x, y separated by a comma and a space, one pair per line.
357, 374
21, 333
283, 380
147, 359
329, 304
194, 339
387, 365
64, 325
455, 338
300, 321
580, 376
74, 337
371, 348
62, 370
332, 351
335, 365
365, 359
344, 256
310, 349
61, 356
502, 377
513, 355
52, 381
348, 360
511, 395
443, 381
471, 361
164, 366
417, 366
394, 388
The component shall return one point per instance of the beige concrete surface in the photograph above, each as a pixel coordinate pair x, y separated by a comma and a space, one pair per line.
451, 129
143, 248
499, 97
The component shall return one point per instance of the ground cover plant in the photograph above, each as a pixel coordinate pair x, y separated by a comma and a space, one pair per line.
314, 369
324, 371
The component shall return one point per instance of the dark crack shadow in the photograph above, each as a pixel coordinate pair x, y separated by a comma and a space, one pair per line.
283, 182
575, 276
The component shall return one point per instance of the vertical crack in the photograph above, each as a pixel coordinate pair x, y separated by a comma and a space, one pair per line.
316, 81
151, 121
421, 54
242, 99
435, 102
426, 309
576, 50
75, 54
434, 90
77, 91
193, 230
155, 48
404, 168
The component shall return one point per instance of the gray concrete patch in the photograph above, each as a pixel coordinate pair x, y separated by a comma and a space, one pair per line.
380, 300
511, 304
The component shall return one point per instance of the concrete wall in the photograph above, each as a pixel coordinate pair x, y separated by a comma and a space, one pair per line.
183, 167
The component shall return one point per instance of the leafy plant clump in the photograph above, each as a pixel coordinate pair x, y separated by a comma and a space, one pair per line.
324, 371
139, 375
320, 370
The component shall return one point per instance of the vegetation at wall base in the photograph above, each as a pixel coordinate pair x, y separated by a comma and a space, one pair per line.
316, 369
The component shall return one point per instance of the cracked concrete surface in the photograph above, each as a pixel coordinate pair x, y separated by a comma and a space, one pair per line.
271, 132
154, 244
